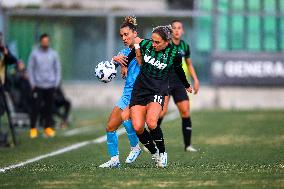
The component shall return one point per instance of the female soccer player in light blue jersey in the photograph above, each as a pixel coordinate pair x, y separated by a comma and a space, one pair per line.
120, 113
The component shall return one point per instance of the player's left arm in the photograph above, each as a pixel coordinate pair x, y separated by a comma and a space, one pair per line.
180, 73
193, 75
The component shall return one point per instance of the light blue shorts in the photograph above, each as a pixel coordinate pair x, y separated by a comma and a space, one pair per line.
125, 98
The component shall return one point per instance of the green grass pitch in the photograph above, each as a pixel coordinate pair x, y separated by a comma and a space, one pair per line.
237, 149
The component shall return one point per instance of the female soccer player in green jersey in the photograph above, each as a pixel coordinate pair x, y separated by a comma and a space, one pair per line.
159, 57
176, 89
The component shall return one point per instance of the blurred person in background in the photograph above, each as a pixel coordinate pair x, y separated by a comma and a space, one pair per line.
22, 86
62, 107
176, 88
44, 72
6, 58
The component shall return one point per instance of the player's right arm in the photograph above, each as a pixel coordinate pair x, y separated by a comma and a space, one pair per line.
120, 59
137, 43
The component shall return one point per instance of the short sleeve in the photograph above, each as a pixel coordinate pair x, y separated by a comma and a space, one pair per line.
187, 51
125, 52
144, 43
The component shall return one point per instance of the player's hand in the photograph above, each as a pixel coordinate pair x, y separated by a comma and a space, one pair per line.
123, 72
196, 87
121, 59
189, 89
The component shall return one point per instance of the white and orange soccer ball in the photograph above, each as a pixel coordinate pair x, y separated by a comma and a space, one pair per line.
105, 71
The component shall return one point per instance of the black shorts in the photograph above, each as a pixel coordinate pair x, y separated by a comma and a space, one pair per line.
177, 89
148, 90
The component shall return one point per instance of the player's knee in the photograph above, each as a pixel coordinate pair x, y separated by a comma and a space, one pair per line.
184, 112
138, 127
110, 127
151, 122
125, 115
139, 130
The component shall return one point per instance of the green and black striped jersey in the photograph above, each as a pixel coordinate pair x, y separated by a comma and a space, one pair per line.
157, 64
183, 48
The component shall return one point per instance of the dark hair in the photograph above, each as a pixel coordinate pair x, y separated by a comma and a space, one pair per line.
43, 36
176, 20
164, 31
129, 21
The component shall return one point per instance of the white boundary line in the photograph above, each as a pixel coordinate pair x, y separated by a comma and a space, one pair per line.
79, 130
61, 151
75, 146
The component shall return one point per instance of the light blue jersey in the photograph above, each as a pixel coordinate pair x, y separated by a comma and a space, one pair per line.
133, 71
112, 138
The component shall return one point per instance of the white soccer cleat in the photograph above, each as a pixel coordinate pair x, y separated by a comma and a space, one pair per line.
112, 163
134, 153
156, 158
190, 149
163, 160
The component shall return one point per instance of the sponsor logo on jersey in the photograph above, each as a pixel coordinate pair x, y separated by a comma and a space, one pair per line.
182, 53
154, 62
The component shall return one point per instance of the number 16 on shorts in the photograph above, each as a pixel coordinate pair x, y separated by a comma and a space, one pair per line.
159, 99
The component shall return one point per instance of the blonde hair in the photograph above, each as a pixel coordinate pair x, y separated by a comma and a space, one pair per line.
130, 21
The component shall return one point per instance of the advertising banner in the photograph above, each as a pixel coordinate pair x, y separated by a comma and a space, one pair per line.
251, 69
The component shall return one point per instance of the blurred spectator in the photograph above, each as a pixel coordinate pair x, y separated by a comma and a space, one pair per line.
21, 93
6, 58
62, 107
23, 89
44, 72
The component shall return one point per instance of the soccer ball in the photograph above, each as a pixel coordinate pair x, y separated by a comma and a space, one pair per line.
105, 71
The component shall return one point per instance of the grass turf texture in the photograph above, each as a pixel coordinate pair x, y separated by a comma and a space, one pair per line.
237, 149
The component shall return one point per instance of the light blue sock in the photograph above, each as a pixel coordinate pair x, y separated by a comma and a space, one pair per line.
133, 139
112, 143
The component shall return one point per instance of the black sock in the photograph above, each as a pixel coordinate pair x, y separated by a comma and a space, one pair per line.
186, 131
157, 136
146, 139
160, 121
